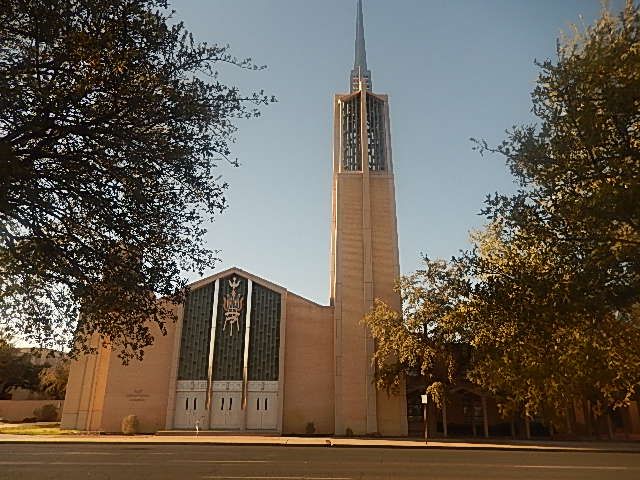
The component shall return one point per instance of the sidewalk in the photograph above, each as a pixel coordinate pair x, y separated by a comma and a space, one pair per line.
258, 440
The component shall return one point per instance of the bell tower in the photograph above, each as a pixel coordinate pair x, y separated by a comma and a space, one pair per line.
364, 249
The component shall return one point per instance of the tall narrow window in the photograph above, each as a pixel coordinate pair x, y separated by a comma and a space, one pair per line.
257, 404
222, 404
264, 341
194, 346
229, 347
376, 134
351, 157
230, 402
195, 403
186, 403
265, 403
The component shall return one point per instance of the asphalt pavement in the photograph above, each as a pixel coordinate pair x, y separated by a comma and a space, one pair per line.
205, 461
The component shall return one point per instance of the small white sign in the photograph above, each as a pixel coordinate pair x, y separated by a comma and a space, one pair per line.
425, 398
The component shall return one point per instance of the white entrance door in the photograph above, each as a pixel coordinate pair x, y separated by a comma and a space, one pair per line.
226, 406
190, 406
262, 406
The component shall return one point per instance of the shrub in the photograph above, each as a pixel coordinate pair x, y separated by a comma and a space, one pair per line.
46, 413
310, 429
130, 425
348, 432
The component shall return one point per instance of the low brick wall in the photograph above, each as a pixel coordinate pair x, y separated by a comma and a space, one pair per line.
17, 410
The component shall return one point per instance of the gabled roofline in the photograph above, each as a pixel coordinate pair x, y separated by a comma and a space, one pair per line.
241, 272
255, 278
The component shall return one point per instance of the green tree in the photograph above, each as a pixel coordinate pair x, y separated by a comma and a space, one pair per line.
54, 378
548, 299
534, 348
422, 339
553, 315
16, 369
579, 167
112, 121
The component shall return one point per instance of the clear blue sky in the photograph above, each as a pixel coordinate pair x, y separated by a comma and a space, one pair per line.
452, 69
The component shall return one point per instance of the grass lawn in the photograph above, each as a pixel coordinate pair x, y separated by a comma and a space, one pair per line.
47, 429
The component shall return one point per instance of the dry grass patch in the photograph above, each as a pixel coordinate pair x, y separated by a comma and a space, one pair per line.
46, 429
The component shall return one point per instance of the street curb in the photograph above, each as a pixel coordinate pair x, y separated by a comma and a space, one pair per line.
332, 445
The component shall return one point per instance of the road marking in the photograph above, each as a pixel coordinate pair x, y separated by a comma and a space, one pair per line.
278, 478
221, 461
572, 467
83, 453
75, 463
506, 465
56, 453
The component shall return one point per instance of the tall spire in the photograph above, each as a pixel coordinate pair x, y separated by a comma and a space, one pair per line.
360, 73
361, 51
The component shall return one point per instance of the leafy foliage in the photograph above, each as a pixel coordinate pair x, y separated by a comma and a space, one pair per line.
16, 369
46, 413
533, 346
555, 316
112, 121
549, 297
53, 379
422, 339
580, 169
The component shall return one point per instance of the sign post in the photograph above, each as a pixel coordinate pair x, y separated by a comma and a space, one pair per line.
425, 401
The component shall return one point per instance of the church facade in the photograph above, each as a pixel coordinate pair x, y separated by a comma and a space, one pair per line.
248, 355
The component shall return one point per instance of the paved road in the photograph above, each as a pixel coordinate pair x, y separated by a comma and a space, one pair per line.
209, 462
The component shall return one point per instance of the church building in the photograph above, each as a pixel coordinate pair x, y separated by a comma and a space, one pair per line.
249, 355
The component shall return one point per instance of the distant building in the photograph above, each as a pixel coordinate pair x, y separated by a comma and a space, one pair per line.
43, 356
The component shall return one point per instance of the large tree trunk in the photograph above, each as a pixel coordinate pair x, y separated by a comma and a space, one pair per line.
569, 416
444, 418
626, 421
586, 408
473, 420
485, 419
609, 426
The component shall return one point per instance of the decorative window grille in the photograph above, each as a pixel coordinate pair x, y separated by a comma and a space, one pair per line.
351, 157
376, 134
229, 344
196, 327
264, 339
